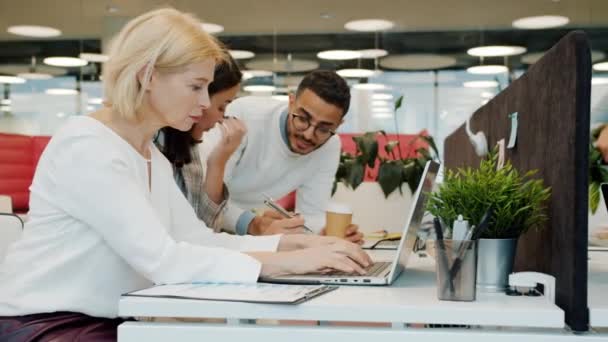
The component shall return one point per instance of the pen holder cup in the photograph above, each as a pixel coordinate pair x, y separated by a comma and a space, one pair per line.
456, 263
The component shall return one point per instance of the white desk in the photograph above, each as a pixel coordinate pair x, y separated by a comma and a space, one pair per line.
597, 289
412, 299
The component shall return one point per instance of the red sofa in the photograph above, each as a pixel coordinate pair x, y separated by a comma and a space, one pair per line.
19, 156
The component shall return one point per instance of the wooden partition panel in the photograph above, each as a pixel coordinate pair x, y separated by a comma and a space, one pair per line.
553, 102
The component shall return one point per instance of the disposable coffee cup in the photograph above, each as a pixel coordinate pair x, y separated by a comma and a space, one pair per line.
338, 217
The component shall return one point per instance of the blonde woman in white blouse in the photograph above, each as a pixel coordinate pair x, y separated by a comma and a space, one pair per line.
106, 215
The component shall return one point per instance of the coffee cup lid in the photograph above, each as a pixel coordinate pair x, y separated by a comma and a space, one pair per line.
339, 208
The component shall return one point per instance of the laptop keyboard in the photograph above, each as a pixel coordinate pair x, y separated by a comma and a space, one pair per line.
372, 270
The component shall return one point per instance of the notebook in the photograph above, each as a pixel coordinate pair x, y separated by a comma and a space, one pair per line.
253, 293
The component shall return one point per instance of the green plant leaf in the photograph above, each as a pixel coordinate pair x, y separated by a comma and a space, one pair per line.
389, 176
594, 196
398, 103
390, 146
355, 176
429, 140
367, 145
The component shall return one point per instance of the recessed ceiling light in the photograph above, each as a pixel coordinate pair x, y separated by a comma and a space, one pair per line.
35, 76
356, 73
259, 88
241, 54
496, 50
212, 28
60, 114
382, 115
96, 100
541, 22
599, 80
373, 53
370, 86
94, 57
480, 84
283, 98
11, 79
369, 25
487, 95
34, 31
382, 97
61, 91
65, 61
90, 108
487, 69
600, 66
247, 74
339, 55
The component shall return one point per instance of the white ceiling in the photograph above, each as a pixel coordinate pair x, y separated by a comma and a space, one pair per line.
91, 18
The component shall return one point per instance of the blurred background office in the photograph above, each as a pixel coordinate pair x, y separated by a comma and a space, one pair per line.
446, 57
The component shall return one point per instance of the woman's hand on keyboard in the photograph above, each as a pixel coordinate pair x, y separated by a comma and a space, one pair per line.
333, 254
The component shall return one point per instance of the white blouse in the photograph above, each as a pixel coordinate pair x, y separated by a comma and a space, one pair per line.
99, 228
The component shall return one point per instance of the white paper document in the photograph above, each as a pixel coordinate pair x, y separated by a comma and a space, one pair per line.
255, 293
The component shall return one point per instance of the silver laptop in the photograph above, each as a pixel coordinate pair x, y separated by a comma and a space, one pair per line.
380, 273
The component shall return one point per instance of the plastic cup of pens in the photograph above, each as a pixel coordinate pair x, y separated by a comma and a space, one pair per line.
456, 262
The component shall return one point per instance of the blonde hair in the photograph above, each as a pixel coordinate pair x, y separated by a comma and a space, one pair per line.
165, 40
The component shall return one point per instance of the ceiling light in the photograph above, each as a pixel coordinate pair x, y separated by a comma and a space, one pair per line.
369, 25
34, 31
241, 54
5, 102
259, 88
339, 55
283, 98
212, 28
60, 114
533, 57
382, 97
382, 115
5, 108
247, 74
356, 73
541, 22
287, 65
487, 95
480, 84
373, 53
381, 103
96, 100
599, 80
94, 57
61, 91
487, 69
35, 76
11, 79
370, 86
600, 66
65, 61
90, 108
496, 50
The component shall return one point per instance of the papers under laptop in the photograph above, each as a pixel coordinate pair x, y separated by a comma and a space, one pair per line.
380, 273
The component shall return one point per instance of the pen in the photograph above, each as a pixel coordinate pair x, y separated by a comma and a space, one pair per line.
443, 257
273, 205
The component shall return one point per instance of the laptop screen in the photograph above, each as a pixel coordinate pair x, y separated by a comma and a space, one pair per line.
417, 211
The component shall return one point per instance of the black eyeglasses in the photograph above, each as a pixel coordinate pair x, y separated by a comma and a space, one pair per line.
302, 123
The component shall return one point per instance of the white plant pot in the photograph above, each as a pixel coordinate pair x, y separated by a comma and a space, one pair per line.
371, 210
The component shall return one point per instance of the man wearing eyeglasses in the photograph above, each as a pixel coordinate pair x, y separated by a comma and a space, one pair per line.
288, 146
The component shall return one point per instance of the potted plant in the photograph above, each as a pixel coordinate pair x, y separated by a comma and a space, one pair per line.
598, 171
518, 204
384, 202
